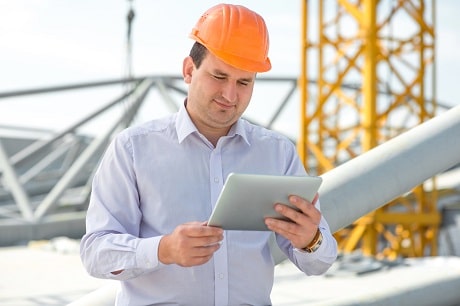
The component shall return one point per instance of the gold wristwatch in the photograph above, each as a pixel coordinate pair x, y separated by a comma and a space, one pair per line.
315, 243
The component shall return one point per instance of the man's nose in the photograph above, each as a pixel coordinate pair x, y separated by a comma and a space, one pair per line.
229, 91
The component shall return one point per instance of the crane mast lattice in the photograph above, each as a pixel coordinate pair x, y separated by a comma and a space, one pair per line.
374, 66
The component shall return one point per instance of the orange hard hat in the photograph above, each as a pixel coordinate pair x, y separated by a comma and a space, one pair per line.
236, 35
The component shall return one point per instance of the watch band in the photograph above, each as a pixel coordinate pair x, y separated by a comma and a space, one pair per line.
315, 243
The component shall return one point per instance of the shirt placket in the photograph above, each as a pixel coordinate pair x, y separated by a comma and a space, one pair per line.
220, 257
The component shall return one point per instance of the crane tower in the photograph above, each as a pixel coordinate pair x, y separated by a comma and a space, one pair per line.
373, 62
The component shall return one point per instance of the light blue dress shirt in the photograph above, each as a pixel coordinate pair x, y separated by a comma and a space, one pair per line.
158, 175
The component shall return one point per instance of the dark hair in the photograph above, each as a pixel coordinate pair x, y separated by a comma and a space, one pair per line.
198, 53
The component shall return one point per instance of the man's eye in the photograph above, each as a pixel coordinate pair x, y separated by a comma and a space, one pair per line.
219, 77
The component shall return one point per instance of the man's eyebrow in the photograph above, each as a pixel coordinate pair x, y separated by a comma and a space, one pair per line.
219, 72
223, 74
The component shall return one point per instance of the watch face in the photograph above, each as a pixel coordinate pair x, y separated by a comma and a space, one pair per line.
316, 243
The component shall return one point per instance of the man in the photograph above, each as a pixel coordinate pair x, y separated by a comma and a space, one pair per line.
158, 182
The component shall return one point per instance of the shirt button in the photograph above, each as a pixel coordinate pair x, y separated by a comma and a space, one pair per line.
221, 275
216, 180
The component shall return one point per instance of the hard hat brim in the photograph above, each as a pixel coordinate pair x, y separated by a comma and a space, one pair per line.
236, 61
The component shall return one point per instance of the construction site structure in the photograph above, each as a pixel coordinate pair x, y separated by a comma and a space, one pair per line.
367, 75
374, 66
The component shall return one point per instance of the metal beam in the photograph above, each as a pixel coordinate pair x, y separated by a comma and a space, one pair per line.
378, 176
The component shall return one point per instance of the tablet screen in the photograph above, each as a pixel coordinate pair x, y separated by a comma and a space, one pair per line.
246, 199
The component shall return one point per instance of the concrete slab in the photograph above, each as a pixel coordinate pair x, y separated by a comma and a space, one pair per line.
49, 273
39, 275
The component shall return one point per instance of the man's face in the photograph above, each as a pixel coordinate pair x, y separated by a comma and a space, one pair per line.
218, 93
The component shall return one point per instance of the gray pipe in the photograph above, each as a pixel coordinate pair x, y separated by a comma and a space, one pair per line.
391, 169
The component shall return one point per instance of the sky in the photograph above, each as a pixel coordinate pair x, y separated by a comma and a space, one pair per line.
56, 41
60, 42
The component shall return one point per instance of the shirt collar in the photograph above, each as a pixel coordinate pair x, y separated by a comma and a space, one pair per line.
185, 126
240, 128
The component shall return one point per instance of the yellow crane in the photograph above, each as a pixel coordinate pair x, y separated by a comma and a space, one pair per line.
374, 66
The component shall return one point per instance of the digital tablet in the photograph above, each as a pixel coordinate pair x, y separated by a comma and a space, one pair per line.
246, 199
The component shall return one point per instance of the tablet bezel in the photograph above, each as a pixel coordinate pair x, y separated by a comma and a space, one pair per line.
233, 212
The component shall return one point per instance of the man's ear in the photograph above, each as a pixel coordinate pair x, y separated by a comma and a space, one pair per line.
187, 69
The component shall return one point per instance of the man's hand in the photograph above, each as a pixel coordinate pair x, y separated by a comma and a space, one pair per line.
190, 244
303, 224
